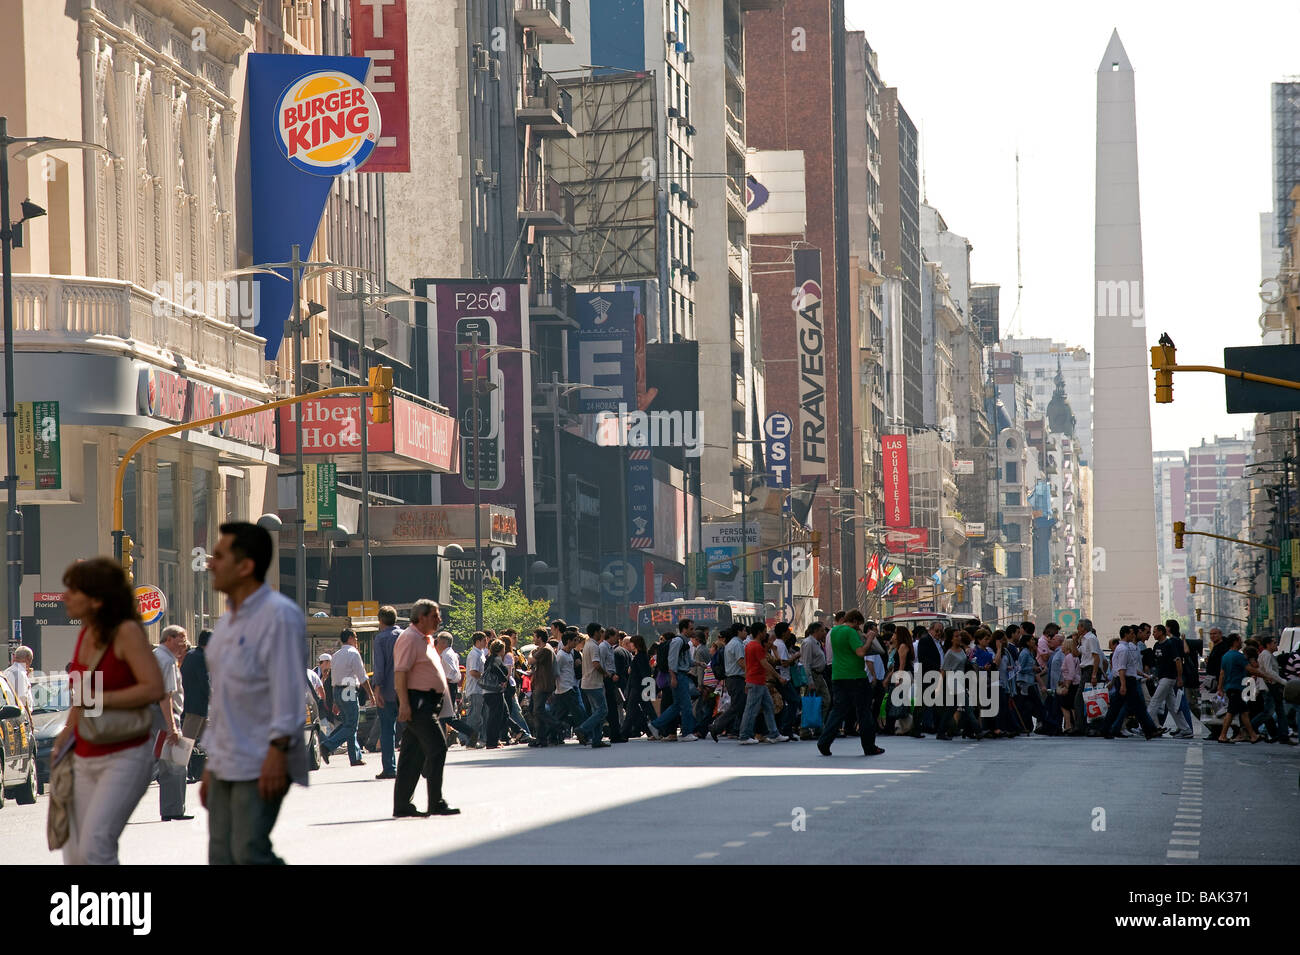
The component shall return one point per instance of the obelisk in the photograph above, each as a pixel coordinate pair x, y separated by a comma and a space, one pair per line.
1125, 585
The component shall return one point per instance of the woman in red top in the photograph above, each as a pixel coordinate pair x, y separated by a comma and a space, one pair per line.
109, 779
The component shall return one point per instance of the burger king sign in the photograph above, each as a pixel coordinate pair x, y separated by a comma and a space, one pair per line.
327, 123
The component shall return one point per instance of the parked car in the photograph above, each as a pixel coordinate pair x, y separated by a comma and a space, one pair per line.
51, 698
17, 748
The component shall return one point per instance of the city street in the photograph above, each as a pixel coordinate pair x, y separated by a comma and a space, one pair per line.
1029, 800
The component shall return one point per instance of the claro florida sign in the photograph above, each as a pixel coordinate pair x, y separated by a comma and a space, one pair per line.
311, 118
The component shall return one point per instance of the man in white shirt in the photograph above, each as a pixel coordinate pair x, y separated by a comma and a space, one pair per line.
565, 702
350, 681
451, 671
18, 678
167, 720
254, 739
1090, 671
474, 712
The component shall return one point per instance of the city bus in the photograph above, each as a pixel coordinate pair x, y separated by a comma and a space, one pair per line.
654, 619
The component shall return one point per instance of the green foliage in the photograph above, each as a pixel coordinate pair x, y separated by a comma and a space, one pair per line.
504, 608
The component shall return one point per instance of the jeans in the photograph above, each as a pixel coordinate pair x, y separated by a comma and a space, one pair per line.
171, 789
681, 706
567, 713
474, 714
735, 705
1161, 699
494, 705
791, 711
756, 699
388, 735
346, 731
515, 715
545, 727
106, 790
594, 725
240, 824
852, 695
1128, 704
424, 750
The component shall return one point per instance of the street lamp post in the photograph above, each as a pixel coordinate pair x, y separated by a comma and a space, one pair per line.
8, 232
301, 271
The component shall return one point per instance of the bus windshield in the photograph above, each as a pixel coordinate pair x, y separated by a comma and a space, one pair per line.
654, 619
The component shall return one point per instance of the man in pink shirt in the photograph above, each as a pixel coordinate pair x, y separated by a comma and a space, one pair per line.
421, 688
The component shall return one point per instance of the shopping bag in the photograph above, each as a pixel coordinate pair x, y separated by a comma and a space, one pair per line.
1097, 701
812, 712
798, 676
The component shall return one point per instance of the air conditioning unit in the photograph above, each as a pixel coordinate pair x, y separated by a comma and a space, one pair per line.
480, 168
492, 180
689, 57
674, 112
672, 37
496, 69
690, 130
482, 60
676, 264
674, 189
692, 276
693, 203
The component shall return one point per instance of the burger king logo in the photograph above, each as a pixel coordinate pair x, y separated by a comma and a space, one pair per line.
151, 603
327, 123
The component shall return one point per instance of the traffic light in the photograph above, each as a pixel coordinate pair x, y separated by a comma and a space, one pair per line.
961, 592
381, 378
128, 558
1191, 581
816, 543
1162, 358
1198, 613
1179, 528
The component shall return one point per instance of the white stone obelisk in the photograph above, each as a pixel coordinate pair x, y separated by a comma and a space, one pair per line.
1125, 584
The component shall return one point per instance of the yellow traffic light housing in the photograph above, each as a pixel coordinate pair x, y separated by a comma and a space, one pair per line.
1191, 581
816, 543
381, 379
128, 558
1179, 529
1162, 358
1198, 613
961, 592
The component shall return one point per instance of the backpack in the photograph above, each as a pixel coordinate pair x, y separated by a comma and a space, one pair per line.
493, 679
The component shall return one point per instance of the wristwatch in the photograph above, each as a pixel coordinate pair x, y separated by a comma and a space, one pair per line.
282, 744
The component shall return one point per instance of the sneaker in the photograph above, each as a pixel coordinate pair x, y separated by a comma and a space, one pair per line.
654, 731
690, 738
749, 742
1183, 734
769, 739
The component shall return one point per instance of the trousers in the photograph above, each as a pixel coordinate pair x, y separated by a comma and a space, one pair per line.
106, 790
240, 823
855, 696
424, 750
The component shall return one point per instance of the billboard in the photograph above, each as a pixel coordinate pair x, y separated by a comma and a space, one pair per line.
776, 432
907, 540
311, 118
776, 196
497, 312
379, 34
725, 542
640, 499
898, 502
333, 426
810, 343
603, 350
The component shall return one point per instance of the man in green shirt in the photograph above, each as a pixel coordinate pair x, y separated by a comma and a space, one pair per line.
850, 686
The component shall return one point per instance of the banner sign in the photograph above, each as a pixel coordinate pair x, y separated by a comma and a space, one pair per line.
37, 446
603, 350
174, 398
776, 431
430, 524
640, 500
497, 312
327, 500
311, 118
811, 349
49, 610
724, 541
379, 33
963, 467
909, 540
898, 502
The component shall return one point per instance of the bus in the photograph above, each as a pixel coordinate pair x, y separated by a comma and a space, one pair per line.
654, 619
924, 619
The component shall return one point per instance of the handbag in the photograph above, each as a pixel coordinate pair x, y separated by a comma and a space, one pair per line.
113, 726
812, 712
798, 676
1096, 701
58, 823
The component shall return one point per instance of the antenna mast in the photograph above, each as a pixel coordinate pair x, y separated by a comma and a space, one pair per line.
1020, 284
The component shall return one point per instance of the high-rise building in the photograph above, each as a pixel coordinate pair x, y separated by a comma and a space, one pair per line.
985, 298
1125, 586
1212, 469
901, 239
1170, 469
1041, 358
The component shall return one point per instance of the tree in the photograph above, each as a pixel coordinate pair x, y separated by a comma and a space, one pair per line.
504, 608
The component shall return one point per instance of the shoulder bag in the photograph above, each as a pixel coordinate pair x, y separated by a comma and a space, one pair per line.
113, 726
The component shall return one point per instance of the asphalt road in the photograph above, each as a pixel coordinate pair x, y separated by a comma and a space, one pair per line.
1029, 800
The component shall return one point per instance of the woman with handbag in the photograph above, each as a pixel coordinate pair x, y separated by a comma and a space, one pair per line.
493, 681
115, 680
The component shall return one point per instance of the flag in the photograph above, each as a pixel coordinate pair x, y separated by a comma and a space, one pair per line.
892, 577
873, 572
937, 577
801, 501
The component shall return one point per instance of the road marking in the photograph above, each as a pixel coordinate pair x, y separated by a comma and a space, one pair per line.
732, 845
760, 833
1182, 854
837, 802
855, 795
706, 855
821, 808
1184, 842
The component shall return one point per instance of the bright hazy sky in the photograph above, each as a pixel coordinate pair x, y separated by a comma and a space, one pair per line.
981, 79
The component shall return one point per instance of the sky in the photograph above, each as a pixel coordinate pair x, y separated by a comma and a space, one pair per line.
984, 79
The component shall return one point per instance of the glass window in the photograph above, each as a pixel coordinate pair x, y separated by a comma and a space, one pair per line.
1013, 472
1013, 499
166, 505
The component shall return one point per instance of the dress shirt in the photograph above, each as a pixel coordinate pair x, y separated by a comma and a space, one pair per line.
783, 657
1268, 663
1124, 659
811, 655
733, 654
1070, 669
451, 665
414, 655
383, 681
316, 684
19, 682
172, 685
564, 676
1091, 646
255, 661
1054, 668
606, 654
348, 669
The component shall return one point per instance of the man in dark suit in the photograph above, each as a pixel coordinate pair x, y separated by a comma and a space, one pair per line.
615, 682
195, 683
929, 650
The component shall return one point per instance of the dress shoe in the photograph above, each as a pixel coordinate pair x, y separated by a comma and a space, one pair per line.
874, 751
324, 755
824, 750
408, 812
386, 776
357, 762
175, 818
600, 744
440, 808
